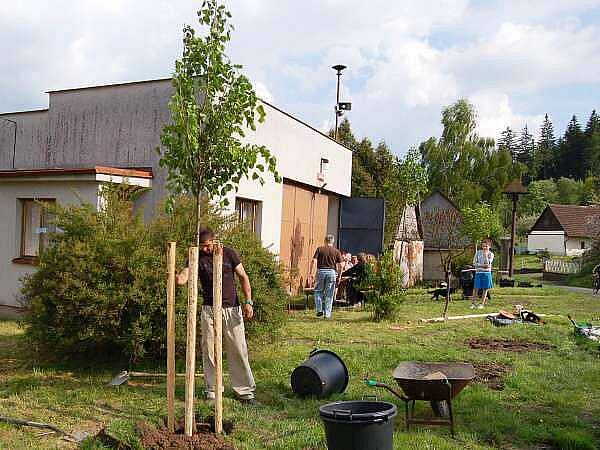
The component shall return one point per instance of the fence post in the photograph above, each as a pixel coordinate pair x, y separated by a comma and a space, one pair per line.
190, 366
171, 252
218, 328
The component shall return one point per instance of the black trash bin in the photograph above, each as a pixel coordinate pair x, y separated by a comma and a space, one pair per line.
467, 280
359, 425
322, 374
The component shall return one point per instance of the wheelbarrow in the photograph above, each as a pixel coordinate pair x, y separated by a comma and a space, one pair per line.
437, 383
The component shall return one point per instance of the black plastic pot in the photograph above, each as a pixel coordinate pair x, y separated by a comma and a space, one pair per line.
322, 374
359, 425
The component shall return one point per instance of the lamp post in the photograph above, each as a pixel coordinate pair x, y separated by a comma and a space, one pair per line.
338, 113
14, 141
513, 190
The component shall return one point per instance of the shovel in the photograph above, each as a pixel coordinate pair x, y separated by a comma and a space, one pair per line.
124, 376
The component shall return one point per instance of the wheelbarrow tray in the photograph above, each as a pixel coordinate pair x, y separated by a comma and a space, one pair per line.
429, 380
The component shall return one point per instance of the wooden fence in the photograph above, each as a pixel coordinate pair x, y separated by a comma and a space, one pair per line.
561, 266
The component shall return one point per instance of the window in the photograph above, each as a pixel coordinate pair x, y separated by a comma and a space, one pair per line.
249, 212
582, 245
34, 226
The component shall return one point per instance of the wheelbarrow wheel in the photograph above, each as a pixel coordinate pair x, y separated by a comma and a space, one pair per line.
440, 408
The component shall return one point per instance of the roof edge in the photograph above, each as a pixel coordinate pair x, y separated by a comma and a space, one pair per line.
95, 170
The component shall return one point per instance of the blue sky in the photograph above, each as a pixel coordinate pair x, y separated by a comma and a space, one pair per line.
514, 60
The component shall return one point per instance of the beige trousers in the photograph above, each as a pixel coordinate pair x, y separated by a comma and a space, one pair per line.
234, 345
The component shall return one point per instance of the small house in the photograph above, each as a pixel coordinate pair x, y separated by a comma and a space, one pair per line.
562, 230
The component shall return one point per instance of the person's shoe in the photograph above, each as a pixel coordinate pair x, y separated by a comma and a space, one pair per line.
473, 306
319, 313
480, 307
249, 401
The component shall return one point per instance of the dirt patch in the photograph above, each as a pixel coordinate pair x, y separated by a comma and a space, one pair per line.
203, 437
495, 345
491, 374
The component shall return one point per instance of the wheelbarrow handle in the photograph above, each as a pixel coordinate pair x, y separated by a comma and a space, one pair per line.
375, 383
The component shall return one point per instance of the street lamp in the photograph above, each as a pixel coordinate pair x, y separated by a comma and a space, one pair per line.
14, 141
339, 107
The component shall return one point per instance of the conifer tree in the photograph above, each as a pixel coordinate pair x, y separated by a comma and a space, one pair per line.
526, 155
572, 152
508, 142
592, 143
546, 151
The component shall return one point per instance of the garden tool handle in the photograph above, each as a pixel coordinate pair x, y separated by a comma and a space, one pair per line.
375, 383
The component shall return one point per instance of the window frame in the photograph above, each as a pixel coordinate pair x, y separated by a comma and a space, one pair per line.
43, 219
256, 226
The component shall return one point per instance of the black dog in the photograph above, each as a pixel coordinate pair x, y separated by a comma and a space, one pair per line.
440, 292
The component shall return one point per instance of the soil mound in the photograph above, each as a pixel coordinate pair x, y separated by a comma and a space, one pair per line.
495, 345
491, 374
203, 438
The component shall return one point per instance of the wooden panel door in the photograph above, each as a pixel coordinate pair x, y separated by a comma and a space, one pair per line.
303, 229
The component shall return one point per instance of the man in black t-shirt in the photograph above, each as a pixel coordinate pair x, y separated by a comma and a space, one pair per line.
234, 338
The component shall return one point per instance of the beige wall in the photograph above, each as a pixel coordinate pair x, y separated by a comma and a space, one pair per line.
574, 246
432, 266
10, 224
298, 150
553, 241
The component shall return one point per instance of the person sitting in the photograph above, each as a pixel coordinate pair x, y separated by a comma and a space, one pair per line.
354, 277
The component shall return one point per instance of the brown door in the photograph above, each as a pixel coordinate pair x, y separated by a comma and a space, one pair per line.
303, 229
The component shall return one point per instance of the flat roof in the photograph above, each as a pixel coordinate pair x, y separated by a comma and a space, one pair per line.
96, 170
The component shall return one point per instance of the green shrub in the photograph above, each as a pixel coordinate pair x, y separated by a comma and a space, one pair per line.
100, 289
383, 286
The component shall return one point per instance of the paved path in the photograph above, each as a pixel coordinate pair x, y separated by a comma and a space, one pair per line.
579, 290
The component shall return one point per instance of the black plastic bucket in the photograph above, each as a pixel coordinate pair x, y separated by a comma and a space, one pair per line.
322, 374
359, 425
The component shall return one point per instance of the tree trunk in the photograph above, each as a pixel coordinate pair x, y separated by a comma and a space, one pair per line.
198, 215
448, 275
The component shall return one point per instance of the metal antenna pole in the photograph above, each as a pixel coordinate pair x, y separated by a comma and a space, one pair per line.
339, 69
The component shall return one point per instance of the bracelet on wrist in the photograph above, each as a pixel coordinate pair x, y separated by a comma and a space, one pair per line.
248, 302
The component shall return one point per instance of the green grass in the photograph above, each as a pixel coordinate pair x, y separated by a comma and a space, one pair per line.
527, 262
551, 398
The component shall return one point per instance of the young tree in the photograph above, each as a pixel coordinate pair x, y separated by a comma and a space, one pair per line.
481, 221
444, 229
212, 107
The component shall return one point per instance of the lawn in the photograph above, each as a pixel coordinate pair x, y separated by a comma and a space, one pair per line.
550, 399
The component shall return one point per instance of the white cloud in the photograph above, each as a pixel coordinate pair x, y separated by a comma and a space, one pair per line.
495, 113
406, 60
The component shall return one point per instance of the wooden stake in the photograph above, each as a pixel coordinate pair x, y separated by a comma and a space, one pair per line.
190, 363
171, 337
218, 327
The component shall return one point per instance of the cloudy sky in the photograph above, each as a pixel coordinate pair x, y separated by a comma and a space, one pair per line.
514, 60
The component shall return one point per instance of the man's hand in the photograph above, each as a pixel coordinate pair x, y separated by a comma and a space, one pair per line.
182, 277
310, 281
247, 311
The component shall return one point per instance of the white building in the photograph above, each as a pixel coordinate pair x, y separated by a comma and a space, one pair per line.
561, 230
90, 136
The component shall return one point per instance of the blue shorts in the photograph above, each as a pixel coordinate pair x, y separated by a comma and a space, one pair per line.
483, 280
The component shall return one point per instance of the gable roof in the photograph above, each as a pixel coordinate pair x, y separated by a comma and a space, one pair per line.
572, 218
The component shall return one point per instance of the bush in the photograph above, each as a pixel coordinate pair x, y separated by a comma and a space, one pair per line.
100, 290
383, 286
